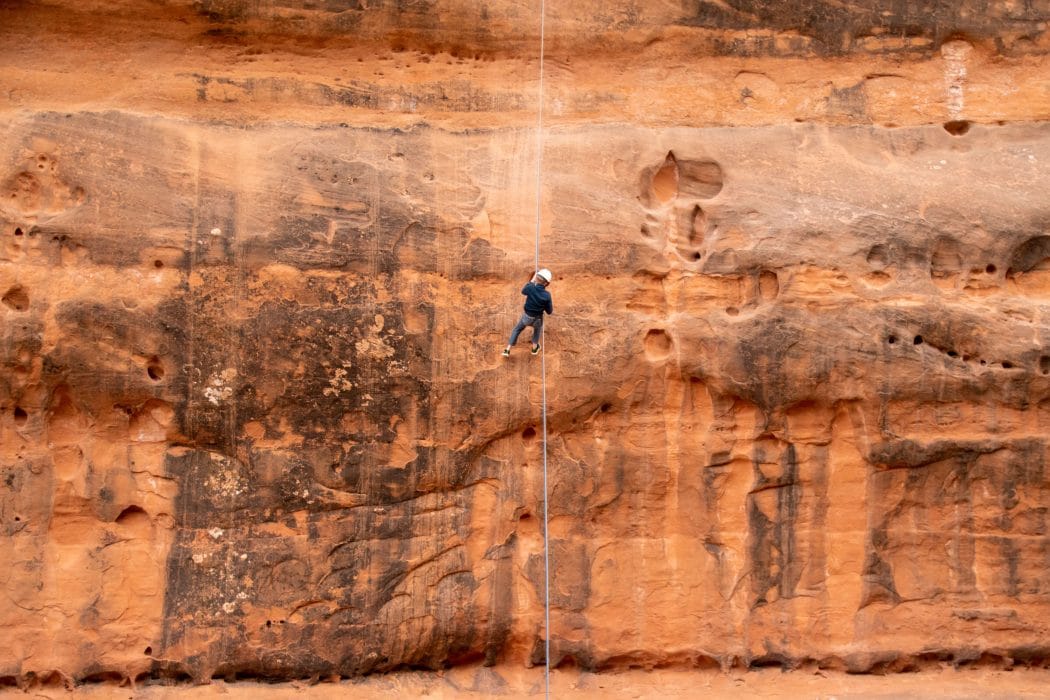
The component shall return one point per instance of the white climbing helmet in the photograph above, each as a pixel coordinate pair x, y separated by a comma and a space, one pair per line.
545, 275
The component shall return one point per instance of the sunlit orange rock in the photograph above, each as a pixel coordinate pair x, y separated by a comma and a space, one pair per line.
257, 265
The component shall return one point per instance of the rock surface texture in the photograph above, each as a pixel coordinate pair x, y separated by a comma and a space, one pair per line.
257, 261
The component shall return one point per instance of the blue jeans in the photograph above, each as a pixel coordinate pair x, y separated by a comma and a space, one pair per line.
537, 328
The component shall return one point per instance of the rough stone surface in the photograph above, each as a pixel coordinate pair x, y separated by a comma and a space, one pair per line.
258, 260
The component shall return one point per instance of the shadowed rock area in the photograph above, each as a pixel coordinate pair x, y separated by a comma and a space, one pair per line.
257, 262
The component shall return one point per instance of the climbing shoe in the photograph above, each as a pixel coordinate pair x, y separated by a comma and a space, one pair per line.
506, 352
535, 349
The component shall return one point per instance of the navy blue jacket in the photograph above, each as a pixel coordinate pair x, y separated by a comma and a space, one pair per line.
537, 300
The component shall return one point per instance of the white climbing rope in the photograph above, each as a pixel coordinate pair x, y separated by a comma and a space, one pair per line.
543, 378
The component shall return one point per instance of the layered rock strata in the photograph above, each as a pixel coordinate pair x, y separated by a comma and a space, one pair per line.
254, 420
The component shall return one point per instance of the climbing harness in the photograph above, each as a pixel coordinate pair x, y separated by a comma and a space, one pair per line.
543, 379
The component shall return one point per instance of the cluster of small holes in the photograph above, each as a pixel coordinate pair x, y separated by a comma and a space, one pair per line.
1044, 362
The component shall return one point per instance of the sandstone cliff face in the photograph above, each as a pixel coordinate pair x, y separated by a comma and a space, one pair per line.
259, 259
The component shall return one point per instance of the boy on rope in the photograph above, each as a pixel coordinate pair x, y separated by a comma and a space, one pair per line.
537, 300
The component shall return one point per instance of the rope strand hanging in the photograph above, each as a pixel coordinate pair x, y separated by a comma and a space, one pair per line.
543, 373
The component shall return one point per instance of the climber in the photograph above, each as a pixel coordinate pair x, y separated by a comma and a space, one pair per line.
537, 300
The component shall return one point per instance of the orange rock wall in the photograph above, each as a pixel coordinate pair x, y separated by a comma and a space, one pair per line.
258, 260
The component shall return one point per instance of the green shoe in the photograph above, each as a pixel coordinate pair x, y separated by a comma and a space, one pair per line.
535, 349
506, 352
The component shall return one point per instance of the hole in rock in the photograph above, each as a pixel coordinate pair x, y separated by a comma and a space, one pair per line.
528, 433
54, 679
18, 518
946, 259
878, 257
1008, 365
990, 269
155, 370
101, 678
148, 651
918, 340
16, 298
957, 127
658, 344
173, 676
665, 181
952, 353
18, 231
699, 179
645, 232
695, 225
768, 285
20, 416
525, 516
771, 661
1044, 364
732, 311
269, 623
131, 515
158, 264
983, 363
606, 407
1030, 255
697, 255
892, 339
